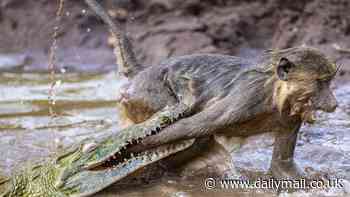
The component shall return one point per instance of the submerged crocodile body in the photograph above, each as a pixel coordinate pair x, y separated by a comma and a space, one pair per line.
92, 166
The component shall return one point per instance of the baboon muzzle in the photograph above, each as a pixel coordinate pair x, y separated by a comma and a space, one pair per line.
326, 101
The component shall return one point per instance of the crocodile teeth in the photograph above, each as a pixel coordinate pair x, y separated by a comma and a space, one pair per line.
181, 115
154, 156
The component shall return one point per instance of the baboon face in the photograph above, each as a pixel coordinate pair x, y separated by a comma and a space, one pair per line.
305, 77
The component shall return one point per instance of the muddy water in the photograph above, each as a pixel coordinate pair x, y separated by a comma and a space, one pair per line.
83, 103
85, 107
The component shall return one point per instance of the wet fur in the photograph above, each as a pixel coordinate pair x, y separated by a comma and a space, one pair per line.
227, 94
236, 97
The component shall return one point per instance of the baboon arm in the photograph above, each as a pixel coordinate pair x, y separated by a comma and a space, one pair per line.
282, 162
201, 124
284, 145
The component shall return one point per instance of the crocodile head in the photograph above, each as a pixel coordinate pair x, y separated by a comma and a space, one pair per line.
92, 166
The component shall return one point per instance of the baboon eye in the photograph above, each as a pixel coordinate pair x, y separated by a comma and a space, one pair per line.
283, 68
286, 65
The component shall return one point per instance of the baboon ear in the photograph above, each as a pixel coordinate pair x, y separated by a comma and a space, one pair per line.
283, 69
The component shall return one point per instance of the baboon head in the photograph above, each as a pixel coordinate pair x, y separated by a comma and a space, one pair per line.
303, 83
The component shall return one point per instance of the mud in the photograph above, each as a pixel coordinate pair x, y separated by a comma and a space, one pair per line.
161, 29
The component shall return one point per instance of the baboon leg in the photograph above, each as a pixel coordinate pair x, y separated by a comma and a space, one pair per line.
282, 163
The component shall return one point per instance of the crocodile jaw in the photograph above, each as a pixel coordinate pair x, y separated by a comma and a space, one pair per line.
105, 166
92, 181
131, 136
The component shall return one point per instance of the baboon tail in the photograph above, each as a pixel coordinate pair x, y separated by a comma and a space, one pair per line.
126, 60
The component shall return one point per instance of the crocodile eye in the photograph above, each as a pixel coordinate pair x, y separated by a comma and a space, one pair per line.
88, 147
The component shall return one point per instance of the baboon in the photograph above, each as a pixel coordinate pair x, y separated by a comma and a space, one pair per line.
228, 95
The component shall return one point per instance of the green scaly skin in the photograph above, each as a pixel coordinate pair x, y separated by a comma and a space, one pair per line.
90, 167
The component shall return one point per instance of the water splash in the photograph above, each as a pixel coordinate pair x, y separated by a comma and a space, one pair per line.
52, 58
52, 62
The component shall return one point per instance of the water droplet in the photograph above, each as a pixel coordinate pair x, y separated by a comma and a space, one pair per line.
83, 11
180, 194
57, 140
58, 83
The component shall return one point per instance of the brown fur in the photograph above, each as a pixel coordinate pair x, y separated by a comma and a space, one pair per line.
229, 95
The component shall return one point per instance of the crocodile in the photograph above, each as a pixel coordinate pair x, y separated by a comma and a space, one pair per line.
91, 166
